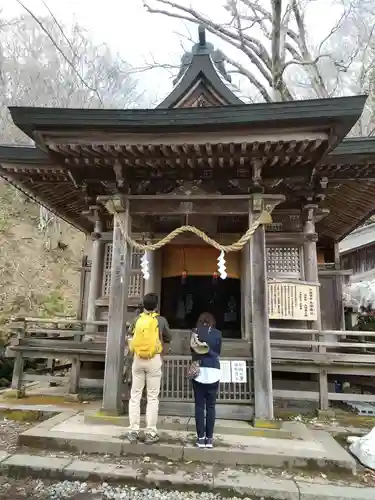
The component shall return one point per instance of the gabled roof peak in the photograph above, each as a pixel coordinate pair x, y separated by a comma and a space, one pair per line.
206, 64
203, 48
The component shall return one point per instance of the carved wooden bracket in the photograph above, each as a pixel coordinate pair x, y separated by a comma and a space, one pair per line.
309, 212
260, 202
113, 204
95, 236
95, 214
119, 173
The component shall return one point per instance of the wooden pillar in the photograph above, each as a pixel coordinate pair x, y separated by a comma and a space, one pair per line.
96, 273
118, 298
263, 393
158, 266
310, 260
246, 293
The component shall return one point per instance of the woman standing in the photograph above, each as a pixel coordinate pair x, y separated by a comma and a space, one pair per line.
206, 349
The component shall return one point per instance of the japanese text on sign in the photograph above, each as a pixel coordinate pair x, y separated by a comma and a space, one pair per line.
294, 301
233, 372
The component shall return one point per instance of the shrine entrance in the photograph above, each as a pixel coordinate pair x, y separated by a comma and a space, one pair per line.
183, 299
190, 285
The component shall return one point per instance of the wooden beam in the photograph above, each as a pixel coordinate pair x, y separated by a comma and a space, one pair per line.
118, 298
100, 171
173, 206
246, 135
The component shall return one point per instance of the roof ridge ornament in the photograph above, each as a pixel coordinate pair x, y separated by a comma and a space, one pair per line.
202, 35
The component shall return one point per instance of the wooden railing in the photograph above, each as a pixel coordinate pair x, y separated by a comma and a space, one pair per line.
326, 353
62, 342
176, 386
329, 359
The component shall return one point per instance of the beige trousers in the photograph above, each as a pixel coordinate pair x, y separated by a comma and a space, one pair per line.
145, 372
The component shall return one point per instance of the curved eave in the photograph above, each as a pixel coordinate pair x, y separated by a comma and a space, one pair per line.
19, 154
339, 114
355, 145
351, 205
24, 167
81, 224
200, 68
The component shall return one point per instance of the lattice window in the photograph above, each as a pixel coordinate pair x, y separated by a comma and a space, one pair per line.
135, 278
274, 227
284, 261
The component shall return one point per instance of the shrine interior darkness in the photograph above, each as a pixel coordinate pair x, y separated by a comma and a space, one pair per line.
184, 299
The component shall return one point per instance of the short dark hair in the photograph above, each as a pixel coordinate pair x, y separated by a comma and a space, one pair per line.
150, 301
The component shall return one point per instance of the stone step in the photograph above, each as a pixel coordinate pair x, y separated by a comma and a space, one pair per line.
181, 477
187, 424
302, 449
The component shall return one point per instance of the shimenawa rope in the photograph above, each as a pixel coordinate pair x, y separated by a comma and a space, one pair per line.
264, 218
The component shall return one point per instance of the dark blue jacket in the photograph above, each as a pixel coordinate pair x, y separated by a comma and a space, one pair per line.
213, 338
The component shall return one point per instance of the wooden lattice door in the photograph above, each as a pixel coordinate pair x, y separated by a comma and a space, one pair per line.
136, 282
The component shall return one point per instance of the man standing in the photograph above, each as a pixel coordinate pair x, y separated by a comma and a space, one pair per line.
150, 331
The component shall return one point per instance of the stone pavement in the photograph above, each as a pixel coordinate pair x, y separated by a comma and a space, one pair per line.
225, 470
225, 481
294, 446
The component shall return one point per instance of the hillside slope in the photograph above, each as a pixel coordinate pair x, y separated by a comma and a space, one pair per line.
39, 269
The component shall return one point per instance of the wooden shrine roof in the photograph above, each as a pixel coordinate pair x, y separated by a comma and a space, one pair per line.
339, 114
85, 153
31, 171
201, 68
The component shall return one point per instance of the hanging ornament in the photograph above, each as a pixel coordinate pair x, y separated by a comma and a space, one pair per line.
221, 266
183, 277
144, 266
214, 278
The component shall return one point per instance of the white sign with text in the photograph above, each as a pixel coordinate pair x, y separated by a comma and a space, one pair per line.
233, 372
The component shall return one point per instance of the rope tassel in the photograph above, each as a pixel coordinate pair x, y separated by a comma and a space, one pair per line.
221, 266
145, 266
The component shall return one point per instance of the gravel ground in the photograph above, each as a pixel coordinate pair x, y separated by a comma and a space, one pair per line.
66, 490
9, 431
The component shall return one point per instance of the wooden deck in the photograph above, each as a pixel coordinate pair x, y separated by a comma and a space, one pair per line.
352, 354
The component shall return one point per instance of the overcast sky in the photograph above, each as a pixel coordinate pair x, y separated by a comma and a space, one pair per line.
141, 37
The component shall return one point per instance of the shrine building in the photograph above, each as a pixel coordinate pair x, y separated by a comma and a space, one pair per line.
283, 174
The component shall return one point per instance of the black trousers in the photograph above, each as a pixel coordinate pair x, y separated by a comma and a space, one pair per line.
205, 408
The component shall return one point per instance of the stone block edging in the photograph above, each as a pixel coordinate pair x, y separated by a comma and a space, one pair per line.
228, 481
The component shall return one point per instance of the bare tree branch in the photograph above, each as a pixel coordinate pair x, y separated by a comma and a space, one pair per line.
335, 28
243, 71
255, 52
62, 31
276, 62
274, 37
61, 52
317, 80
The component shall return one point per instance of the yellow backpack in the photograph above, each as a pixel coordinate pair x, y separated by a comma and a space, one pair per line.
146, 338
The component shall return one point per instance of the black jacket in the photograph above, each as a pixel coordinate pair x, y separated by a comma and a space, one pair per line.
213, 339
